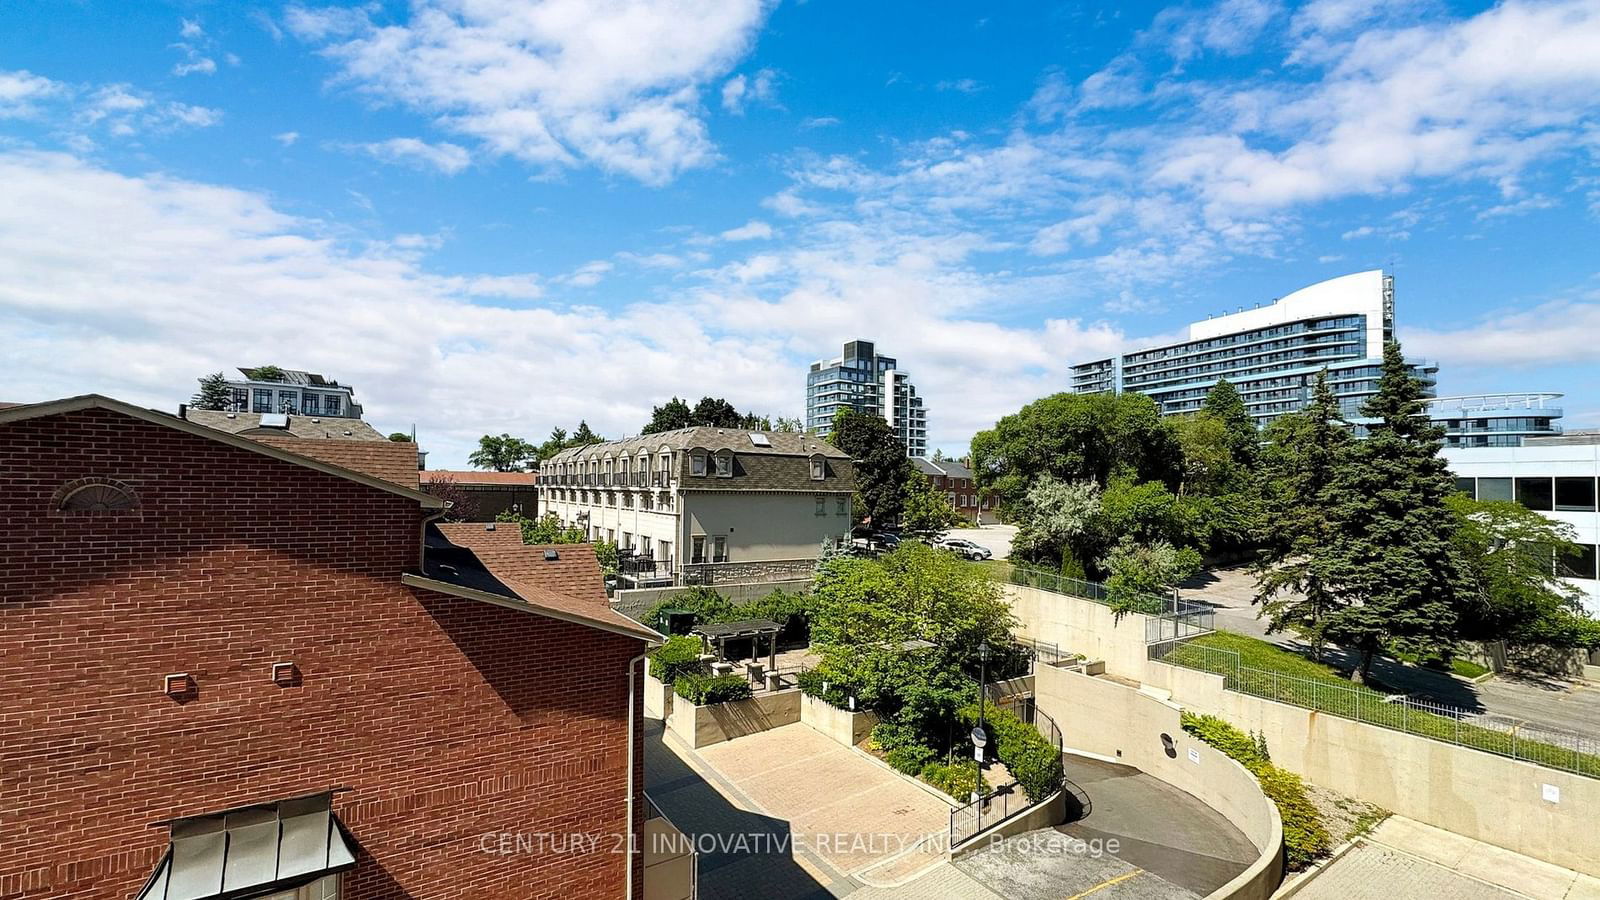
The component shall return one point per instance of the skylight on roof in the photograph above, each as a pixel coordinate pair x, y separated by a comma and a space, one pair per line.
274, 420
760, 440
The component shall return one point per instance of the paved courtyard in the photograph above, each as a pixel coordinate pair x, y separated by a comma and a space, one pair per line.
997, 538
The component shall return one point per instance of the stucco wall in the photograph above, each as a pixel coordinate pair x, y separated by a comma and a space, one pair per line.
701, 726
1490, 798
760, 525
1115, 721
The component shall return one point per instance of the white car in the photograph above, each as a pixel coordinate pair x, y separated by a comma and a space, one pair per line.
965, 548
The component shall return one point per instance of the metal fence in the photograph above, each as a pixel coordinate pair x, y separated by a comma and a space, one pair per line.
1187, 620
1557, 749
1046, 580
971, 818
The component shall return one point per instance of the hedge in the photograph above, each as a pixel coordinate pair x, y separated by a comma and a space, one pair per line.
1033, 761
678, 656
910, 758
1305, 838
703, 690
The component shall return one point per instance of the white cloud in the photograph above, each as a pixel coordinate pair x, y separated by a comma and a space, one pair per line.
287, 138
442, 157
21, 92
739, 92
193, 45
589, 274
818, 122
557, 83
1481, 97
1549, 334
1518, 208
752, 230
960, 85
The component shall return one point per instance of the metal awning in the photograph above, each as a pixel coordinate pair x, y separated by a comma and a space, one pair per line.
252, 851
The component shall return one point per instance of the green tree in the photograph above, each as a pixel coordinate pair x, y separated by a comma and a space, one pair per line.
214, 393
502, 454
1300, 466
928, 509
1224, 403
788, 426
583, 436
716, 413
554, 444
546, 529
1392, 566
669, 416
266, 373
1075, 437
1517, 594
1059, 524
399, 437
1143, 576
1206, 453
883, 473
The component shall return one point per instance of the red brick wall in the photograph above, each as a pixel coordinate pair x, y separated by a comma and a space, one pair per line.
446, 719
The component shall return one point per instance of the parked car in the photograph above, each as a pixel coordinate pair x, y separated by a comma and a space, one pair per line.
965, 548
874, 543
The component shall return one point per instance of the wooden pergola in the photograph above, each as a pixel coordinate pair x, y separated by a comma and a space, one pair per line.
754, 629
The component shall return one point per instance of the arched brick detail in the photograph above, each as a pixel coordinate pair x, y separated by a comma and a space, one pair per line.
112, 497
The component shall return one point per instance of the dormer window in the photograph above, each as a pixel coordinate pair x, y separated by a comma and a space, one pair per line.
819, 468
697, 464
724, 465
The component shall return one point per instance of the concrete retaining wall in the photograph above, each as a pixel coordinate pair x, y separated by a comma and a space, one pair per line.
1115, 721
1080, 626
633, 603
669, 862
658, 697
1053, 811
701, 726
1525, 808
846, 727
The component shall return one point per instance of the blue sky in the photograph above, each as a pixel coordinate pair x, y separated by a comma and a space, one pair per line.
491, 215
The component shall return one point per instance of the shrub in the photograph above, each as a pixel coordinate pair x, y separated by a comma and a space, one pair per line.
703, 690
837, 693
706, 604
958, 779
1305, 838
910, 758
1033, 761
888, 736
678, 656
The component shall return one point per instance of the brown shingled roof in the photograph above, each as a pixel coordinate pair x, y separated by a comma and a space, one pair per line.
389, 460
571, 583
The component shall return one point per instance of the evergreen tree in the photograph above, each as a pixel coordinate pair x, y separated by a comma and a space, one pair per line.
214, 393
1224, 403
1300, 465
1390, 565
584, 436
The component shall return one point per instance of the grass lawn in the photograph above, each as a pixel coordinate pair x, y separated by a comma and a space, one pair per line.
1268, 671
998, 569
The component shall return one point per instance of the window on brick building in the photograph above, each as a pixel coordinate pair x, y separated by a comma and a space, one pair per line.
93, 495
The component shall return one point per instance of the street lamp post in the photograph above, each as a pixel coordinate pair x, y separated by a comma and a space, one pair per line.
980, 735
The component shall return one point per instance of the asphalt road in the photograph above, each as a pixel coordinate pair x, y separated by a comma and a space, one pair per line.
1550, 703
997, 538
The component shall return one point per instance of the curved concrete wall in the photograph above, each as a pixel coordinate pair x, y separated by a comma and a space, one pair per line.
1117, 722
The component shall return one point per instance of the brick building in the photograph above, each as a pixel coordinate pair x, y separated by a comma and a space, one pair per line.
233, 669
958, 484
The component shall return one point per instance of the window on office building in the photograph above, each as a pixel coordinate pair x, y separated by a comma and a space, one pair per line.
1494, 489
1578, 564
1575, 494
1535, 493
1467, 486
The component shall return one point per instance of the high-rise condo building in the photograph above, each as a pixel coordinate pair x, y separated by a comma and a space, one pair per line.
1271, 353
865, 381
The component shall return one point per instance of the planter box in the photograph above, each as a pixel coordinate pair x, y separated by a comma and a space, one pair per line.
701, 726
846, 727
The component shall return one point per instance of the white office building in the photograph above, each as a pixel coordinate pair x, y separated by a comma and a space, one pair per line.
1557, 476
1271, 353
